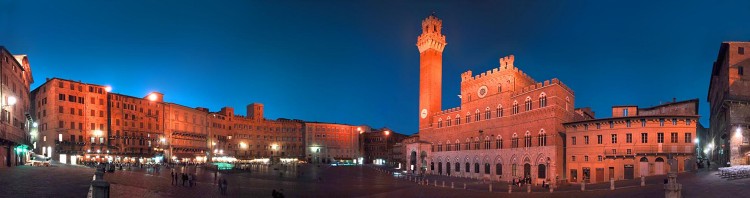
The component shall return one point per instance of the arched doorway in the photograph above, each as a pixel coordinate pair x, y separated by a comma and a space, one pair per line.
440, 168
688, 165
476, 167
448, 168
643, 166
659, 166
527, 170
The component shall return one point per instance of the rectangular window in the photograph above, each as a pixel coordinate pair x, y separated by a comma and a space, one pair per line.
643, 122
599, 139
660, 138
740, 71
741, 50
661, 121
614, 138
624, 112
585, 139
59, 137
598, 126
614, 151
630, 151
629, 138
573, 140
673, 138
688, 137
611, 124
687, 122
644, 138
674, 121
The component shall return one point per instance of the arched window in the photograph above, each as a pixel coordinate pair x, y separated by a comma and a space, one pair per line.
440, 147
542, 171
527, 104
467, 144
458, 119
432, 165
487, 113
476, 143
476, 167
440, 123
487, 168
514, 141
448, 121
515, 107
499, 88
457, 146
542, 138
476, 115
499, 142
498, 169
458, 167
448, 146
527, 139
499, 111
542, 100
468, 118
467, 167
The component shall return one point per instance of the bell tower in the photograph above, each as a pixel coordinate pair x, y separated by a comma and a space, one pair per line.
430, 44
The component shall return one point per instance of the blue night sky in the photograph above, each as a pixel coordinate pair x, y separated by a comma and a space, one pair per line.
357, 63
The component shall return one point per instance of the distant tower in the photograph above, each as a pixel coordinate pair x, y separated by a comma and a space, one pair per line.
430, 44
255, 111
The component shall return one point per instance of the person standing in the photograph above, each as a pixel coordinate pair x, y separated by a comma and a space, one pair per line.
216, 176
224, 183
173, 178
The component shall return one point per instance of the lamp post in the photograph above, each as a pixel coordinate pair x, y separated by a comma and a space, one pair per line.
360, 142
387, 133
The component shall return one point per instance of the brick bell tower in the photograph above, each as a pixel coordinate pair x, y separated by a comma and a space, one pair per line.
430, 44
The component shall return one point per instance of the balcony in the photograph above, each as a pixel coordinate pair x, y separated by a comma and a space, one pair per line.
614, 151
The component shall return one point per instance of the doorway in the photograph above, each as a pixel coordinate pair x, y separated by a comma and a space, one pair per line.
527, 170
628, 170
599, 175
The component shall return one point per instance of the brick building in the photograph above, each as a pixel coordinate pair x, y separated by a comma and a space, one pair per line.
71, 118
378, 146
254, 137
634, 142
507, 122
15, 121
330, 142
729, 97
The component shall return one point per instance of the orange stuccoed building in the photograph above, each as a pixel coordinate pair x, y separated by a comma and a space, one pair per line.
634, 142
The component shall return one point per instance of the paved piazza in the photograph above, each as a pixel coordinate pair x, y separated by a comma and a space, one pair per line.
326, 181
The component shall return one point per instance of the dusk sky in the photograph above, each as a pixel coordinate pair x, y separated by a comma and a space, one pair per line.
357, 63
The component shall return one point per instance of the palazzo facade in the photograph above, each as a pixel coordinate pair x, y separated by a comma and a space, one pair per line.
508, 124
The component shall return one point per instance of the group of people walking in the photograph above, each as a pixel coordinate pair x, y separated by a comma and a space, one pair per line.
187, 179
521, 181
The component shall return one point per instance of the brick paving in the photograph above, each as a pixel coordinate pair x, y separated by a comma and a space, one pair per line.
326, 181
54, 181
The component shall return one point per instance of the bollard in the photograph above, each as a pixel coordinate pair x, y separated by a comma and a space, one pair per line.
643, 181
100, 189
490, 187
528, 188
464, 186
443, 184
672, 189
551, 188
583, 185
427, 181
451, 185
510, 188
435, 183
611, 183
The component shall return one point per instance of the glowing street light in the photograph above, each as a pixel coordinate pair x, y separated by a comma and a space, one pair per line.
108, 88
35, 124
696, 141
738, 132
243, 145
152, 97
98, 133
12, 100
387, 132
163, 140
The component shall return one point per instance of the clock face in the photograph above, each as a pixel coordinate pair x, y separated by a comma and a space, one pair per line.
423, 114
482, 91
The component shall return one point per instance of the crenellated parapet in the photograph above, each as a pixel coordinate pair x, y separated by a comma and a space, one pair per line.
431, 37
449, 111
506, 64
544, 84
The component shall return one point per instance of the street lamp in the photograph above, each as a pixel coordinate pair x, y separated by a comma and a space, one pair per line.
108, 88
12, 100
387, 133
152, 97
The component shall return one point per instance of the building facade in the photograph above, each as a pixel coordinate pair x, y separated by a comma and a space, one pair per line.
729, 97
15, 120
507, 126
378, 146
330, 142
71, 120
634, 142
